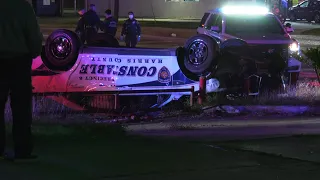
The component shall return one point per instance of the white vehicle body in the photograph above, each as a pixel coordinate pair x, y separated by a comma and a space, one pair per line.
118, 69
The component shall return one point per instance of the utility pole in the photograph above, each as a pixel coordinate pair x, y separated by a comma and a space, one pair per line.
86, 4
116, 9
75, 6
61, 7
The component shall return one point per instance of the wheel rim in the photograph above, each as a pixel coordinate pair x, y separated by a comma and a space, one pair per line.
197, 52
60, 47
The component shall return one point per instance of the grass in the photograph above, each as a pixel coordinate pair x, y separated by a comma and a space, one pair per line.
78, 148
52, 112
74, 152
315, 32
303, 94
106, 152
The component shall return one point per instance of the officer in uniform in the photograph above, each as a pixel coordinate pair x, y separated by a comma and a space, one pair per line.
21, 42
79, 30
89, 24
131, 30
109, 25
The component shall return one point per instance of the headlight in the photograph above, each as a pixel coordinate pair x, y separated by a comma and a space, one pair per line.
294, 47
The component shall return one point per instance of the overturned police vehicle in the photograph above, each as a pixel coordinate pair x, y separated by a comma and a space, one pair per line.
228, 63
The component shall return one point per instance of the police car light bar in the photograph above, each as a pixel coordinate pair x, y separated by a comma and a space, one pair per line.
245, 10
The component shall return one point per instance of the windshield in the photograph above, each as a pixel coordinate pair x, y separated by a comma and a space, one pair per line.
267, 24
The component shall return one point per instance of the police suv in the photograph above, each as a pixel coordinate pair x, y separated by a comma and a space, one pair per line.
261, 29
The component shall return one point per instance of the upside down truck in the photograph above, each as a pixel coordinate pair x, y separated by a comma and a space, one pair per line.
68, 66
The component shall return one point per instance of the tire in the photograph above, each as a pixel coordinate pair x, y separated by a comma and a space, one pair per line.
61, 50
200, 55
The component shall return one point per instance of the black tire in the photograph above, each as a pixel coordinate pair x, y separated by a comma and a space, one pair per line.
200, 55
61, 59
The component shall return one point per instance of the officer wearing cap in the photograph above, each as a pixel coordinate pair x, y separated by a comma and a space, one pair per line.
109, 25
131, 30
89, 24
21, 42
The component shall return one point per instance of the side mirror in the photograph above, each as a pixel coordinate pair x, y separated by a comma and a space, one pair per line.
215, 28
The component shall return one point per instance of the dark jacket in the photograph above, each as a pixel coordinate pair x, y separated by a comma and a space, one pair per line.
19, 30
131, 27
109, 26
90, 19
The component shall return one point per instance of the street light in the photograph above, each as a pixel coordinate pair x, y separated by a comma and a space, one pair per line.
86, 5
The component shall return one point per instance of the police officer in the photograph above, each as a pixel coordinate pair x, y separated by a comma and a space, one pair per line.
21, 41
89, 24
131, 30
283, 7
79, 30
109, 25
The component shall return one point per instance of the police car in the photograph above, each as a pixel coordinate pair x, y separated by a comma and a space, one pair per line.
66, 65
261, 29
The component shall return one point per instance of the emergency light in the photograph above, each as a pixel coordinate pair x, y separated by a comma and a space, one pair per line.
245, 10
